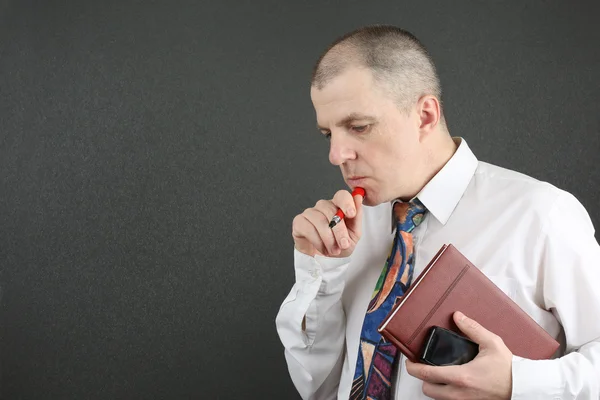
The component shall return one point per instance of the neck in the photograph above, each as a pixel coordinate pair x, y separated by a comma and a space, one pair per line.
437, 153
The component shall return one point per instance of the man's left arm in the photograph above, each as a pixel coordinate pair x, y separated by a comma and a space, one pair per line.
570, 289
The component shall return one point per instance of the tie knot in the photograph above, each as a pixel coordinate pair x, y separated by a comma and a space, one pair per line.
409, 215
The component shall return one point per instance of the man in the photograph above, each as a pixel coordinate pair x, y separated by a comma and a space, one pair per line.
377, 98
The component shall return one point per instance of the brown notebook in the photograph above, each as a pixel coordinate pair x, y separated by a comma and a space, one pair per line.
450, 283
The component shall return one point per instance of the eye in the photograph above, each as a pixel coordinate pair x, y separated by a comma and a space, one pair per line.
327, 134
359, 129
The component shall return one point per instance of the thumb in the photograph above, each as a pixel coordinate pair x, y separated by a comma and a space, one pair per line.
474, 330
354, 225
358, 200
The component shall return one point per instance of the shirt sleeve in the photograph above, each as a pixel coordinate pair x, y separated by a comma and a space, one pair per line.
311, 325
570, 280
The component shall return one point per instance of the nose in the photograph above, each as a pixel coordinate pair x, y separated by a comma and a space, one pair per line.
340, 149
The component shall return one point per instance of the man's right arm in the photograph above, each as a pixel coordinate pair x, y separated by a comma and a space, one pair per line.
311, 321
311, 325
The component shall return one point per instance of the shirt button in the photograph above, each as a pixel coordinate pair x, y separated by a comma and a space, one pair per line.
314, 273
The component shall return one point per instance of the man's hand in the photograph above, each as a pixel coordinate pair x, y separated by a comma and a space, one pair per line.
487, 376
311, 231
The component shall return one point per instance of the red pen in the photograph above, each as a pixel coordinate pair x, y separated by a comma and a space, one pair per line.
339, 215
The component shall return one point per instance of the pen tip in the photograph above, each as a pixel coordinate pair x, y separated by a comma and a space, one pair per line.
332, 224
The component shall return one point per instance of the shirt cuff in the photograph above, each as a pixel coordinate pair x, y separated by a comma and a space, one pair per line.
311, 268
536, 379
319, 284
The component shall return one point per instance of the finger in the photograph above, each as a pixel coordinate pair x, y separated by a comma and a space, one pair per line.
475, 331
304, 229
340, 232
343, 200
321, 223
327, 208
349, 230
433, 374
342, 237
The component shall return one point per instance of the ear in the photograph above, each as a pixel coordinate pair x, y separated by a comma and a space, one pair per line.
429, 113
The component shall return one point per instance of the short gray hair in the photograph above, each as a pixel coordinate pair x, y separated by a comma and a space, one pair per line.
400, 63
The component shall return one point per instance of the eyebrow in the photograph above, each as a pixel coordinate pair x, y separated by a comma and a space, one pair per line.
350, 118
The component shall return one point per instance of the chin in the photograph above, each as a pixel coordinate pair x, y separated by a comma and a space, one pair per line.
371, 201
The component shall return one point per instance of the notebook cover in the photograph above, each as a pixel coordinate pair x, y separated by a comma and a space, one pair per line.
450, 283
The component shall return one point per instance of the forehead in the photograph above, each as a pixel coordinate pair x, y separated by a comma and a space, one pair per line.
352, 92
351, 83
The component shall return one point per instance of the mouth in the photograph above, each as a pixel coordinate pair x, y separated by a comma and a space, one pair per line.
355, 180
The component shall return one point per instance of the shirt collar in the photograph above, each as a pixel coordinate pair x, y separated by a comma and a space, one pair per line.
442, 193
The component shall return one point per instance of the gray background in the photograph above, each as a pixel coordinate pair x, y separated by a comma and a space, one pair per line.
154, 153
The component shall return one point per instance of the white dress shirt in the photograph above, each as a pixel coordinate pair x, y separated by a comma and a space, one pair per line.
533, 240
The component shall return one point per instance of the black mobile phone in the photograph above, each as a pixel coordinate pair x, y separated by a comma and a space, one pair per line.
444, 347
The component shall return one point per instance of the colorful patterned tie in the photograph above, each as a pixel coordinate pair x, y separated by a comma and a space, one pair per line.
376, 356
